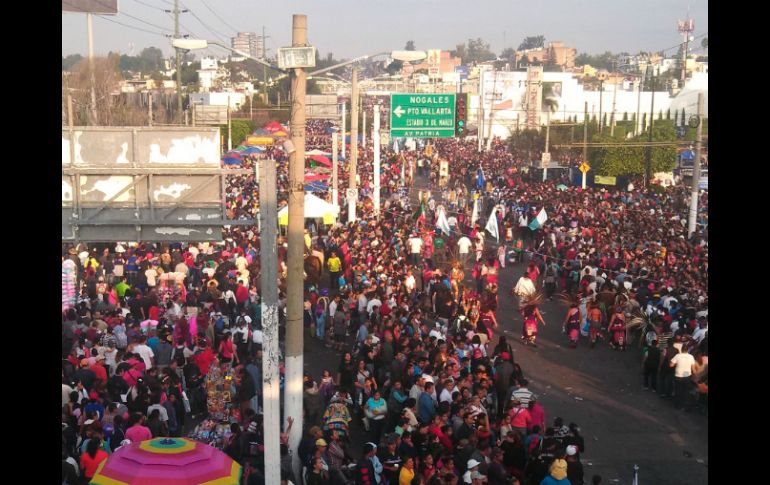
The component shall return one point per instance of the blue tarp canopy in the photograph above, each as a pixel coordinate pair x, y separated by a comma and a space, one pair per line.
232, 160
316, 186
252, 150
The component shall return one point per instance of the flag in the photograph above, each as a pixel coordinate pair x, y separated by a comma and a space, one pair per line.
419, 215
538, 222
395, 146
475, 216
480, 181
491, 226
443, 223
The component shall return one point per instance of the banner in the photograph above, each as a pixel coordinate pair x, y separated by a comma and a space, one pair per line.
605, 180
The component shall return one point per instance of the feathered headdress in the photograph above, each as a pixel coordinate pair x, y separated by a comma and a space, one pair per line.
536, 299
568, 299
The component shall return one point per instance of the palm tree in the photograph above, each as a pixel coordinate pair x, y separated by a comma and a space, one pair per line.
549, 100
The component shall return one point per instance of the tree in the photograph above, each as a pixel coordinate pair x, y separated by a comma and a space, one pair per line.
676, 118
532, 42
509, 55
69, 61
461, 52
622, 159
625, 116
106, 81
409, 45
152, 58
479, 51
705, 44
548, 98
668, 114
644, 120
601, 61
684, 117
190, 73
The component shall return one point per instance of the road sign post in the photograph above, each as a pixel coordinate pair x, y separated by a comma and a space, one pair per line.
584, 167
422, 115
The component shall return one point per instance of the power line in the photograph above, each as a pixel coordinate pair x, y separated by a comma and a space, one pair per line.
149, 5
217, 16
126, 14
131, 26
216, 33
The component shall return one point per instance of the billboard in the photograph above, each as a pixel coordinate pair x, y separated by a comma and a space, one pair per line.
321, 107
210, 114
140, 146
104, 7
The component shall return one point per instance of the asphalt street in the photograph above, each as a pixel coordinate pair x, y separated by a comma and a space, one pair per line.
600, 389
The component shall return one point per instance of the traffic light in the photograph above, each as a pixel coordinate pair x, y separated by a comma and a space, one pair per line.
461, 116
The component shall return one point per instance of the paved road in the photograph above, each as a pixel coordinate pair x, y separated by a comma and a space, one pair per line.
600, 390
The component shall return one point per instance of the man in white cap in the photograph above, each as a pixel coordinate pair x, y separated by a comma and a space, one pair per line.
472, 467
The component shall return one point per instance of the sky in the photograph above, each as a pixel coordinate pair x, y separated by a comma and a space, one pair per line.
350, 28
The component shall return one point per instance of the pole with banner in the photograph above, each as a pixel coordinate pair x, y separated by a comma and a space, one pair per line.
335, 193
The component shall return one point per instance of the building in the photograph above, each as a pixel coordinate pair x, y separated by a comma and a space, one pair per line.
555, 53
442, 60
248, 42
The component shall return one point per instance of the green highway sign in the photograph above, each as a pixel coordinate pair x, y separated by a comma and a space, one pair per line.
422, 115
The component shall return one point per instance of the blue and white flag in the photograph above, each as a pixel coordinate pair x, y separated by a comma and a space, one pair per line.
491, 226
480, 180
538, 222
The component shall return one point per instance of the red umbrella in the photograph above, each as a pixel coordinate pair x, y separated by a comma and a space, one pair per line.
273, 126
322, 160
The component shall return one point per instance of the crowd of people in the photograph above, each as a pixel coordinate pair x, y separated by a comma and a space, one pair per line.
410, 309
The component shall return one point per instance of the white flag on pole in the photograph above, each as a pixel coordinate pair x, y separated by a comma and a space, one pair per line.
475, 215
443, 223
492, 225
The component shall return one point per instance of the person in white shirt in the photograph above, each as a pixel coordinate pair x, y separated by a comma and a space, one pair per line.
151, 273
524, 288
446, 393
374, 302
464, 245
700, 333
415, 247
146, 353
410, 282
682, 364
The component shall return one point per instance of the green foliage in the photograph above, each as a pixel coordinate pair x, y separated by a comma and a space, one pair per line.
69, 61
676, 118
532, 42
190, 73
644, 121
478, 51
241, 130
683, 120
625, 116
527, 141
509, 54
668, 114
660, 115
600, 61
624, 159
409, 45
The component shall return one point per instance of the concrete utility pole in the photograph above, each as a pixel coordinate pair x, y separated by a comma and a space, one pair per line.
601, 98
149, 109
94, 112
376, 145
229, 126
352, 195
296, 251
692, 220
271, 379
335, 182
264, 68
344, 122
585, 133
612, 119
547, 139
638, 124
178, 57
363, 128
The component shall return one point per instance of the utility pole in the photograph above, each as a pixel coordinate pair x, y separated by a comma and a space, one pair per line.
692, 220
585, 133
149, 109
376, 146
94, 112
363, 129
352, 195
264, 68
178, 57
638, 124
335, 190
648, 162
344, 122
271, 379
296, 250
601, 98
547, 139
612, 121
229, 126
480, 129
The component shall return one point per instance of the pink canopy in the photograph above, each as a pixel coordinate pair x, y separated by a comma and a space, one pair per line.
168, 461
322, 160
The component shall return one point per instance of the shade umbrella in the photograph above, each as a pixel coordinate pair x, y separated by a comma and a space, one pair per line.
280, 133
232, 160
273, 126
253, 150
561, 187
168, 461
322, 160
239, 148
261, 131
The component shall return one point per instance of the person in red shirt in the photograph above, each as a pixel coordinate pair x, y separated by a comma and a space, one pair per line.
226, 348
91, 459
98, 369
241, 294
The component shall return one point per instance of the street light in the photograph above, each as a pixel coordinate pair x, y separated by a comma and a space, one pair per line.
195, 44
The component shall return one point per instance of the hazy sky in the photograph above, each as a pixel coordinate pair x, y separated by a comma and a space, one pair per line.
350, 28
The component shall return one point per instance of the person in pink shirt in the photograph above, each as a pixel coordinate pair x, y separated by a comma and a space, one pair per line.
537, 412
136, 432
520, 417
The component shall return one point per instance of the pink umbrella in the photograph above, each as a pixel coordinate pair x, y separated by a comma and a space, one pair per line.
322, 160
168, 461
